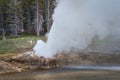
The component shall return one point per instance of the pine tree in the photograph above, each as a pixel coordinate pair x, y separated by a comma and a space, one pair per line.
49, 9
28, 16
14, 19
3, 16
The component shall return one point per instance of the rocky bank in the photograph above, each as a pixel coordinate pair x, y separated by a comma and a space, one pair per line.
18, 62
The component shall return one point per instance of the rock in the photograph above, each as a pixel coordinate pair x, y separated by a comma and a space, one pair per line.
27, 58
52, 63
6, 67
24, 61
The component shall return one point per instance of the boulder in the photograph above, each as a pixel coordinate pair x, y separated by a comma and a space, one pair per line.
6, 67
25, 58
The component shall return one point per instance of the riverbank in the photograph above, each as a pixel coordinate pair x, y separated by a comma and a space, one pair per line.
28, 61
10, 63
17, 67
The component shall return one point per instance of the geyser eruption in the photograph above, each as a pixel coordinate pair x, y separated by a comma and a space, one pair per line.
77, 22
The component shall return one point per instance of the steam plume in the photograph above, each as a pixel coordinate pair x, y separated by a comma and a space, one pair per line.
77, 22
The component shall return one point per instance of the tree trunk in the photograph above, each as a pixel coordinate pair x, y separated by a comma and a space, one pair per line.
28, 21
37, 18
28, 24
3, 35
2, 20
48, 16
16, 19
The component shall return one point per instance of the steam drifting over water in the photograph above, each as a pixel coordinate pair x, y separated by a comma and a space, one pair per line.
77, 22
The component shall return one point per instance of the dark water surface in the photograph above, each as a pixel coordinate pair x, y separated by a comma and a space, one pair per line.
66, 73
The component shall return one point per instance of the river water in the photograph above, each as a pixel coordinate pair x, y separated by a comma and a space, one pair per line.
97, 67
68, 73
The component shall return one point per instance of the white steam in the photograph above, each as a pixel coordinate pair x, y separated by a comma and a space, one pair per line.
77, 22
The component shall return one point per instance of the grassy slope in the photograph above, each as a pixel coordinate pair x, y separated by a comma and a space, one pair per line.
13, 44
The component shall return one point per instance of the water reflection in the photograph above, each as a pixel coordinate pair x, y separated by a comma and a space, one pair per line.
97, 67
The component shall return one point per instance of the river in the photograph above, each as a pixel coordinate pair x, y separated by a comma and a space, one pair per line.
67, 73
